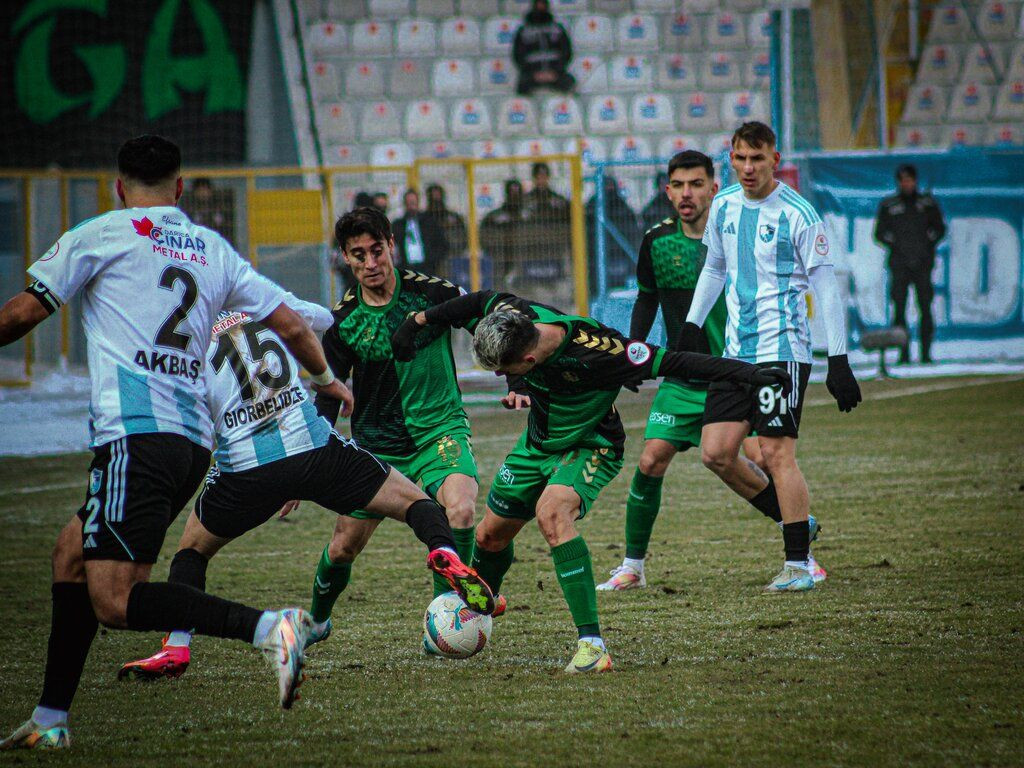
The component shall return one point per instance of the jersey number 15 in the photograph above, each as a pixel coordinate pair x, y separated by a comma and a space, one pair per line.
257, 350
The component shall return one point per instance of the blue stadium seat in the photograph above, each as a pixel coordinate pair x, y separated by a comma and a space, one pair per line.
681, 32
652, 113
940, 63
561, 116
607, 114
630, 72
471, 119
677, 72
637, 32
496, 76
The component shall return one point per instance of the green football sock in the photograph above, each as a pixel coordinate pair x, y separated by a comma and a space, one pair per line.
330, 581
641, 511
492, 566
576, 577
465, 538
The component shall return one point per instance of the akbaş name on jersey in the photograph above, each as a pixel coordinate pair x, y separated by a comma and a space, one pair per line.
169, 242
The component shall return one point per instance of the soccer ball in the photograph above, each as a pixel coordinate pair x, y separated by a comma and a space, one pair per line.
452, 629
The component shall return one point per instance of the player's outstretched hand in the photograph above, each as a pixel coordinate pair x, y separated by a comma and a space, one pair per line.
772, 377
692, 339
338, 391
842, 384
515, 402
403, 340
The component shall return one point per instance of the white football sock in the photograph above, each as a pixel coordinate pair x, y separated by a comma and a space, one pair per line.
263, 627
594, 640
47, 718
803, 564
179, 639
637, 564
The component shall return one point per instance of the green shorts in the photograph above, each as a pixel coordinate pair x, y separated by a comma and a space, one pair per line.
677, 415
431, 465
527, 471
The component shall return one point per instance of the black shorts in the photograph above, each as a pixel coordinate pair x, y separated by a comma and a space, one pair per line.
137, 486
769, 414
339, 476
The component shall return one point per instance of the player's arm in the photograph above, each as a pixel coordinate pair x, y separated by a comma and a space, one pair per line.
459, 312
883, 226
645, 309
21, 314
517, 397
340, 359
318, 317
693, 365
936, 225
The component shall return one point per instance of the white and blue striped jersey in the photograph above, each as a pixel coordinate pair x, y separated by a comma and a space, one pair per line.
768, 247
152, 283
261, 411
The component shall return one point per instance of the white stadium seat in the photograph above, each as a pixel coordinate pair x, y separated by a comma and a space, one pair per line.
718, 145
392, 153
364, 78
698, 112
416, 37
607, 114
917, 136
344, 154
925, 104
1010, 101
496, 76
471, 119
379, 121
631, 148
671, 145
371, 38
703, 6
720, 71
534, 148
498, 34
739, 107
963, 135
350, 10
592, 34
1005, 134
460, 36
489, 149
744, 6
681, 32
637, 32
677, 72
389, 9
997, 20
425, 120
940, 63
439, 150
453, 77
634, 190
325, 84
630, 72
478, 8
726, 30
561, 116
435, 9
949, 24
970, 102
337, 123
327, 39
759, 30
569, 7
612, 6
593, 149
517, 117
757, 71
655, 6
591, 74
983, 63
516, 7
408, 78
652, 113
489, 195
1015, 66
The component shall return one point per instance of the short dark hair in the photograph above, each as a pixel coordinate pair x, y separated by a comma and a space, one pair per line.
538, 167
691, 158
906, 169
362, 221
149, 159
755, 134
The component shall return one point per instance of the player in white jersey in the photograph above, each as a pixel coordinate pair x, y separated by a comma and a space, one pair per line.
151, 283
766, 247
274, 449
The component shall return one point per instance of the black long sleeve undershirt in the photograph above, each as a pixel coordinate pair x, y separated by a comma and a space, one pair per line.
645, 310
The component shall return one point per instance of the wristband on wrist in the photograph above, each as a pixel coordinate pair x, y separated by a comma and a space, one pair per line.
324, 379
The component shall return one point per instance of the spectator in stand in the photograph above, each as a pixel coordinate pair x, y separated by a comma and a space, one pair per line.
209, 207
542, 202
910, 225
420, 240
362, 200
380, 202
451, 223
547, 236
659, 207
542, 51
501, 234
619, 249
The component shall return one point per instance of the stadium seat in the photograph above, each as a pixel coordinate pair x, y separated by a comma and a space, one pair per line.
534, 148
439, 150
970, 102
962, 135
745, 6
983, 63
337, 123
569, 7
720, 71
327, 38
371, 38
1010, 101
676, 72
416, 37
379, 121
698, 112
671, 145
324, 81
364, 78
516, 8
343, 154
593, 149
1015, 66
997, 20
489, 195
718, 145
435, 9
1005, 135
759, 29
561, 116
635, 191
652, 113
917, 136
453, 77
681, 32
607, 114
757, 71
496, 76
498, 34
726, 30
425, 120
592, 34
631, 73
408, 79
925, 104
740, 106
389, 9
392, 153
949, 24
612, 6
591, 74
350, 10
460, 36
517, 117
479, 8
630, 149
702, 6
637, 32
488, 149
471, 119
940, 63
654, 6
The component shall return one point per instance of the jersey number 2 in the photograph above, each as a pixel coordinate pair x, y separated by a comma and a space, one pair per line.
168, 335
258, 349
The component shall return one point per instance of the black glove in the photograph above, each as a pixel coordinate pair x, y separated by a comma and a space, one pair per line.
403, 340
772, 377
841, 383
692, 339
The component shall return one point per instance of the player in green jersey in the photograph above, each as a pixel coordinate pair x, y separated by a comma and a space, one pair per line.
670, 259
568, 370
408, 414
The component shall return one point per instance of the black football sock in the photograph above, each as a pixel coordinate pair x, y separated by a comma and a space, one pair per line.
164, 607
188, 567
797, 538
430, 524
767, 502
72, 629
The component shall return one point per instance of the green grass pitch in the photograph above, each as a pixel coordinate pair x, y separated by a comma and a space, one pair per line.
912, 653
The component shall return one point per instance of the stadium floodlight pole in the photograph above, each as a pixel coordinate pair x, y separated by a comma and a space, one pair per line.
913, 11
599, 234
786, 54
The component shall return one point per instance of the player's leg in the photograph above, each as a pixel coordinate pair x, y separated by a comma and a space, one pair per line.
334, 571
925, 293
457, 494
720, 452
898, 289
495, 549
